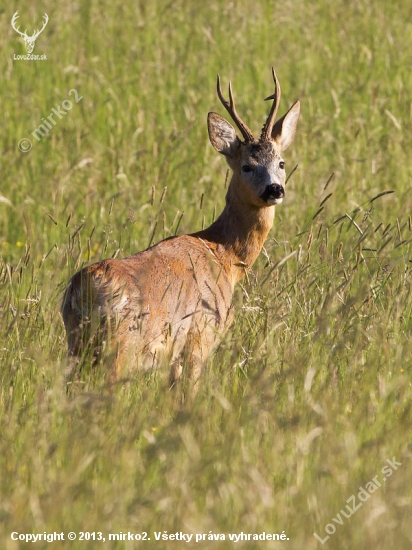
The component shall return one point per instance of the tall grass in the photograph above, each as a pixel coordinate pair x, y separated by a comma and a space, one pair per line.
310, 392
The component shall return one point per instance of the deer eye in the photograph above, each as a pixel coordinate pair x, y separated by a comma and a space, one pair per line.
282, 165
246, 169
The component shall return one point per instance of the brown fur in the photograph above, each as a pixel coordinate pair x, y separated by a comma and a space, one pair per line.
174, 299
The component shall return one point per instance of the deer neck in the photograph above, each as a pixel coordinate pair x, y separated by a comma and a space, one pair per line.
238, 234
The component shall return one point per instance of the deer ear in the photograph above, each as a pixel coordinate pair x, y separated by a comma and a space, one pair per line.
284, 130
222, 135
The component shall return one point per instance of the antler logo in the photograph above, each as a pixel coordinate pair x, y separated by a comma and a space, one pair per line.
29, 41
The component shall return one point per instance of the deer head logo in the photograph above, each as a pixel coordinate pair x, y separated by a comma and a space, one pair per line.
29, 41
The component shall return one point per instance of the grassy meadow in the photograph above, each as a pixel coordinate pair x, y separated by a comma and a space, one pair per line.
310, 392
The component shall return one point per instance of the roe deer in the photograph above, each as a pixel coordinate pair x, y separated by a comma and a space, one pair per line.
173, 300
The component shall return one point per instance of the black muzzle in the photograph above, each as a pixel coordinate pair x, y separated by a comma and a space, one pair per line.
274, 191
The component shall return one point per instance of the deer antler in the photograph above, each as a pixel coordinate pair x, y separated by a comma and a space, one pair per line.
266, 134
13, 21
46, 20
231, 109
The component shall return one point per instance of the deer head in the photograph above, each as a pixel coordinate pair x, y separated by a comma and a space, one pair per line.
258, 167
29, 41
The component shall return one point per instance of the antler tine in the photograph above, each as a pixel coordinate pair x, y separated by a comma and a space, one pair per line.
268, 126
231, 109
14, 21
46, 20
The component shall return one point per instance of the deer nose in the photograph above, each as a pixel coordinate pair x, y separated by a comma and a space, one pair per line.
277, 191
272, 192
